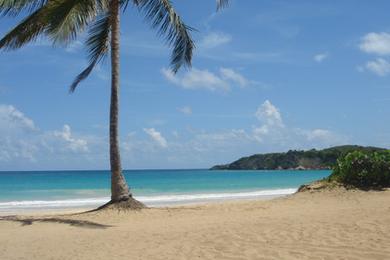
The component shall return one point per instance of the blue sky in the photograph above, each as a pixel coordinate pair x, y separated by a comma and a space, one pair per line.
267, 76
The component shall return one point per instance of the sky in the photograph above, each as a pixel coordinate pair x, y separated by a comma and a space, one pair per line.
267, 76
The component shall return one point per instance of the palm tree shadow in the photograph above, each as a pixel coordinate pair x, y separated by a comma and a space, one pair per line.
71, 222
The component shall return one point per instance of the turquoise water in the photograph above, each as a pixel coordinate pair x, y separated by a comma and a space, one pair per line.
42, 189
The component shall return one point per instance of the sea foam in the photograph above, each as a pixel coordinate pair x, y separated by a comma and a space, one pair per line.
157, 200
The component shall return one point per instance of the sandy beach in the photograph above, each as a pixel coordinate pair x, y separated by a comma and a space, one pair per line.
335, 224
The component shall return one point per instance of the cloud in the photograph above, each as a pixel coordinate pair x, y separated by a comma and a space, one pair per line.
74, 144
259, 133
32, 148
156, 137
215, 39
273, 131
321, 57
321, 134
272, 121
221, 141
12, 117
322, 137
228, 135
269, 114
229, 74
204, 79
21, 141
197, 79
187, 110
17, 133
376, 43
379, 66
16, 149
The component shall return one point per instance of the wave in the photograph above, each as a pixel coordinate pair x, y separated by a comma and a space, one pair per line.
158, 200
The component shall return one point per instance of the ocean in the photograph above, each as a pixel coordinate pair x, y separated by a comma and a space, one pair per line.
37, 190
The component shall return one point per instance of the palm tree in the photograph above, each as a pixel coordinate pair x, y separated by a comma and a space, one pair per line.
63, 20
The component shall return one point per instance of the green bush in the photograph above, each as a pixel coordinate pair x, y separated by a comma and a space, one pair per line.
363, 169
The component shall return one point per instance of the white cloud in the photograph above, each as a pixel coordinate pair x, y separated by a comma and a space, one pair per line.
204, 79
215, 39
16, 135
321, 57
323, 137
229, 74
274, 132
259, 133
272, 121
269, 114
376, 43
379, 66
22, 143
17, 148
157, 137
74, 144
186, 110
10, 117
197, 79
318, 134
229, 135
63, 149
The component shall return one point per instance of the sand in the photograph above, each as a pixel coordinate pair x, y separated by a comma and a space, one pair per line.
334, 224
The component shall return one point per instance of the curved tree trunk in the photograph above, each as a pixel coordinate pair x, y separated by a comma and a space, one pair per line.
119, 189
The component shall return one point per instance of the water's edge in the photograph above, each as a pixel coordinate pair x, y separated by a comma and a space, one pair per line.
151, 201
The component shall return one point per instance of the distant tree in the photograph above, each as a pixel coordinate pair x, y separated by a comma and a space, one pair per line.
63, 20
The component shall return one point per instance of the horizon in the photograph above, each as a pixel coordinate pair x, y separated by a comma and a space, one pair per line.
267, 76
190, 169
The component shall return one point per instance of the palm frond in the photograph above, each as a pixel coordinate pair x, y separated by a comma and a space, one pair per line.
67, 18
222, 4
97, 44
169, 24
27, 30
15, 7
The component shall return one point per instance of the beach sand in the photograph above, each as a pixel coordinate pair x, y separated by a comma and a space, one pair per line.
335, 224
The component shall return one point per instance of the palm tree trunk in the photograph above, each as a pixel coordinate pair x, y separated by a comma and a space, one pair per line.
119, 189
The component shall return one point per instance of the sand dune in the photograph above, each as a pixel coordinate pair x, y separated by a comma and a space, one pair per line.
334, 224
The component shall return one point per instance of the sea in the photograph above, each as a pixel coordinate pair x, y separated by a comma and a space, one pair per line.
51, 190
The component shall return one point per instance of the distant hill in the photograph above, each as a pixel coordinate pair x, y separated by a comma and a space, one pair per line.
311, 159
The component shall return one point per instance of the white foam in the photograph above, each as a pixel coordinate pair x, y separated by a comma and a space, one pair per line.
158, 200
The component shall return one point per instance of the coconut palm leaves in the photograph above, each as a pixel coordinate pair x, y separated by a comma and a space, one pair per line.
163, 17
63, 20
97, 43
14, 7
222, 4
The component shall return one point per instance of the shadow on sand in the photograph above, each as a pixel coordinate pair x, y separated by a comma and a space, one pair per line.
71, 222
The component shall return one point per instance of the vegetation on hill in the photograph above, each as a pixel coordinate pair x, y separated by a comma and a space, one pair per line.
311, 159
363, 170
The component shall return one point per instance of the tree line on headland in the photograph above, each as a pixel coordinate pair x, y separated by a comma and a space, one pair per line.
301, 160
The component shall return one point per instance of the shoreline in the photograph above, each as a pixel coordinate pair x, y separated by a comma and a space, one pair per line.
162, 200
71, 211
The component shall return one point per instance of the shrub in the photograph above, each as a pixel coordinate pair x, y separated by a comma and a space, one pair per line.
363, 169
